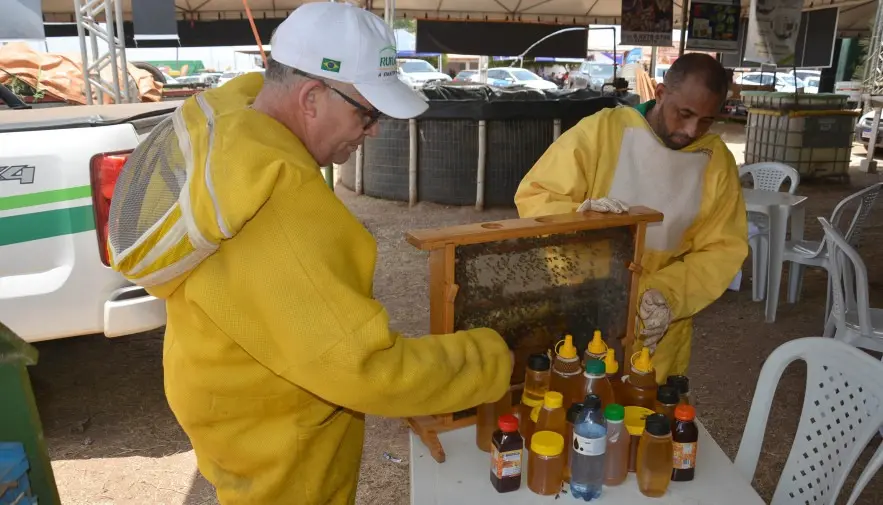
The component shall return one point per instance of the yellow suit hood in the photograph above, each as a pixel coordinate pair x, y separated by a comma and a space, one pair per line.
169, 213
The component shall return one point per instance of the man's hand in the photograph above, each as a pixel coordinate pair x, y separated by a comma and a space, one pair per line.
604, 205
656, 316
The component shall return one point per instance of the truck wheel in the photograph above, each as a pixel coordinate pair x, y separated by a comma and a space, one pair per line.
157, 75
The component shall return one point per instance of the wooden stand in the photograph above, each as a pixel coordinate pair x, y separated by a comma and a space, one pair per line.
442, 243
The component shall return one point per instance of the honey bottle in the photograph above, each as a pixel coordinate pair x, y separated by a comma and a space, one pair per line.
635, 422
506, 455
527, 419
682, 383
685, 439
597, 348
486, 420
596, 381
537, 377
666, 400
639, 388
613, 375
545, 464
552, 416
536, 383
567, 373
616, 459
655, 455
534, 418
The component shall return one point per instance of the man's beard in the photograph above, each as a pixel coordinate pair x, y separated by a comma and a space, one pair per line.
657, 123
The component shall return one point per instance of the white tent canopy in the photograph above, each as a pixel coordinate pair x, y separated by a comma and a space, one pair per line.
856, 13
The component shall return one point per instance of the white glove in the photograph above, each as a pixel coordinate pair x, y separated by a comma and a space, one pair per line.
656, 316
604, 205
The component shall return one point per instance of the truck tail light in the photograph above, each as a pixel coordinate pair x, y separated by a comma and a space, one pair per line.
104, 170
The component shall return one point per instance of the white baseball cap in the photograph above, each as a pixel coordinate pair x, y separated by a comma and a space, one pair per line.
344, 43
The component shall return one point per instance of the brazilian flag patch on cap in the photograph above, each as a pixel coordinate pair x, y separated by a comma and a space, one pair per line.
329, 65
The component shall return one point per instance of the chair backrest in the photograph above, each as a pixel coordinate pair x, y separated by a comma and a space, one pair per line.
769, 175
849, 279
842, 411
865, 200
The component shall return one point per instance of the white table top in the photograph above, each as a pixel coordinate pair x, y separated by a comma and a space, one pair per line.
759, 200
464, 479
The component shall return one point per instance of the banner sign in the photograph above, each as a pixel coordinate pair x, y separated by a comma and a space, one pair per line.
22, 19
647, 22
634, 56
714, 26
772, 31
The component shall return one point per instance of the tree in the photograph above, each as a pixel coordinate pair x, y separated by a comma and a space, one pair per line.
405, 24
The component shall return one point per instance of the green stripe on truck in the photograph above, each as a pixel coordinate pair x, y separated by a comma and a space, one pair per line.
44, 197
48, 224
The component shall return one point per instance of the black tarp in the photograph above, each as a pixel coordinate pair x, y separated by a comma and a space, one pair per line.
222, 32
476, 102
154, 19
519, 130
499, 39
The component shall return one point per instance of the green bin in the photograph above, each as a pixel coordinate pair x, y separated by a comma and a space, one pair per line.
19, 419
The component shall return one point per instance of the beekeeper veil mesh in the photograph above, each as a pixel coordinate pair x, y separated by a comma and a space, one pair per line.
152, 237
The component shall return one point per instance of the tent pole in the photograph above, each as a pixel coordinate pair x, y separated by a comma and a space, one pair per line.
653, 56
684, 12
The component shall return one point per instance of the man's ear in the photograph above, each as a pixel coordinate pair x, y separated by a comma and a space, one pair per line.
307, 95
660, 91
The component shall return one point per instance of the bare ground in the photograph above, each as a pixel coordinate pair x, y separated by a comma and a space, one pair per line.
113, 439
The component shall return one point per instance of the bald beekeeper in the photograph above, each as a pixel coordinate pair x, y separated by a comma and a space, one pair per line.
660, 155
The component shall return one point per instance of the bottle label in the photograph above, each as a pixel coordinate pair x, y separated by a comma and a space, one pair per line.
506, 464
589, 446
684, 455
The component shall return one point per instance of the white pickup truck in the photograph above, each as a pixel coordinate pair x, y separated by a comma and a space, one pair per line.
58, 167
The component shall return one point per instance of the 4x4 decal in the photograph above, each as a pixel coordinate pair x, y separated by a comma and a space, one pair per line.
24, 174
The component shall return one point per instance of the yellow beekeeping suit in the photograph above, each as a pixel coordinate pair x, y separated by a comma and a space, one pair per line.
275, 348
693, 255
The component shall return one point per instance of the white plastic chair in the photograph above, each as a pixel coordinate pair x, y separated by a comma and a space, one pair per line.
842, 409
767, 176
851, 320
810, 253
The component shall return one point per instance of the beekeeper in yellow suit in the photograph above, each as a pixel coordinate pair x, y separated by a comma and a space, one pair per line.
275, 348
660, 155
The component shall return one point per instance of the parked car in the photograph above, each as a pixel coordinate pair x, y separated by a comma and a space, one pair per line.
419, 73
472, 76
465, 76
590, 75
58, 169
803, 75
863, 130
811, 85
514, 76
228, 76
785, 83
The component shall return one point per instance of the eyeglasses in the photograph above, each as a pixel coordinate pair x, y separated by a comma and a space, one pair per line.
370, 115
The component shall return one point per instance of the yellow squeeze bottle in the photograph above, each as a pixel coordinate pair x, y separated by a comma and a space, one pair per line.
597, 348
567, 373
613, 375
639, 389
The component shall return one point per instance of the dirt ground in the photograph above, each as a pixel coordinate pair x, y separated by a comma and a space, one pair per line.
113, 439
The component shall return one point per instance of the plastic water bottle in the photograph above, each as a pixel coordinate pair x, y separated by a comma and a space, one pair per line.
588, 451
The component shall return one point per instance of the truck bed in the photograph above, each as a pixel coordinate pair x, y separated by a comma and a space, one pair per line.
74, 116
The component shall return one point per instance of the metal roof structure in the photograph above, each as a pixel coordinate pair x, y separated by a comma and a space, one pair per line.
856, 14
